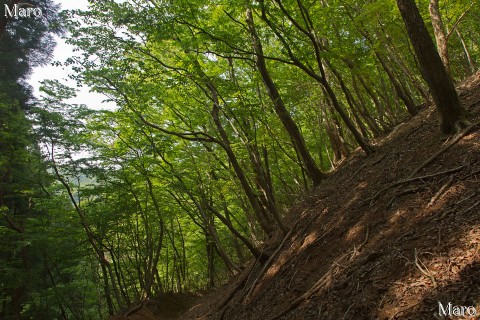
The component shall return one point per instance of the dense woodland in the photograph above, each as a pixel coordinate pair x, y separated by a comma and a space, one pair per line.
227, 112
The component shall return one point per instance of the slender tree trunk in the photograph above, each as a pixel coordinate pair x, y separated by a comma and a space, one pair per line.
260, 213
439, 31
232, 229
471, 64
261, 168
350, 100
406, 98
339, 148
210, 248
313, 171
364, 112
378, 104
392, 54
92, 239
408, 73
264, 184
441, 86
318, 48
155, 254
231, 266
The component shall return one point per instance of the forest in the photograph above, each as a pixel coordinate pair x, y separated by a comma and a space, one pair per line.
227, 114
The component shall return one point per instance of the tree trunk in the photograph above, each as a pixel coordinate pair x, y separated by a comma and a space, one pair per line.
262, 216
235, 232
92, 239
350, 100
210, 248
406, 98
365, 113
318, 48
393, 54
441, 86
471, 64
337, 143
313, 171
439, 31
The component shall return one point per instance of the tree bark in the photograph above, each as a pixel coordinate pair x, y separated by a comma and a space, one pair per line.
320, 78
471, 64
441, 86
439, 31
313, 171
261, 214
406, 98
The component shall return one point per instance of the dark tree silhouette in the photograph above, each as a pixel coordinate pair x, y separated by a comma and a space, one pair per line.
452, 114
24, 44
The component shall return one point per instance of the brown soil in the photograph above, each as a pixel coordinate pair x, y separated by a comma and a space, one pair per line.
165, 307
373, 241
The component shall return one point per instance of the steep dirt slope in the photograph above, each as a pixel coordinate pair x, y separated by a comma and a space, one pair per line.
379, 239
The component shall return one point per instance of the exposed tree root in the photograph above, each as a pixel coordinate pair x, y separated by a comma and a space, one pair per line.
457, 138
267, 264
236, 289
423, 269
375, 196
441, 191
327, 278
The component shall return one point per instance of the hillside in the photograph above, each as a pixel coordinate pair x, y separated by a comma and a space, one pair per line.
377, 240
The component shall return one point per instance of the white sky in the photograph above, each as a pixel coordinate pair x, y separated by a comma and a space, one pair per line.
61, 53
